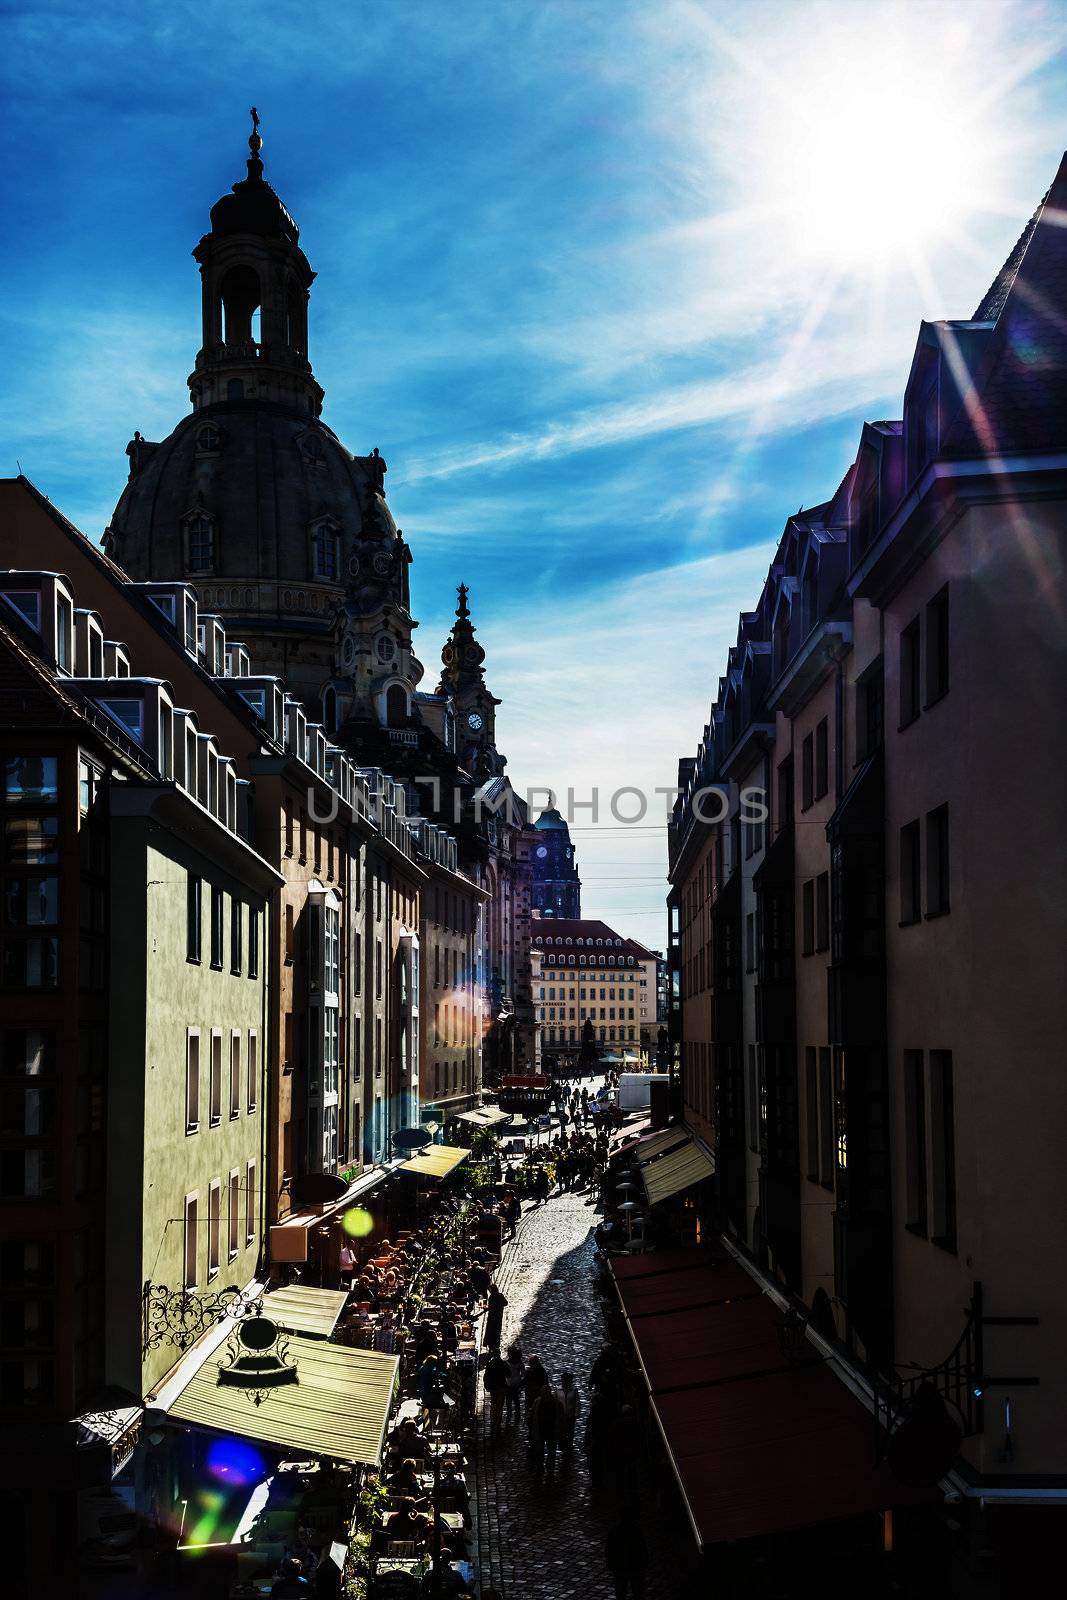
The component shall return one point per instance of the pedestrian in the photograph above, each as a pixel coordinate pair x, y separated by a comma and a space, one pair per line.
494, 1319
605, 1376
626, 1554
429, 1386
495, 1383
534, 1379
516, 1373
570, 1404
546, 1422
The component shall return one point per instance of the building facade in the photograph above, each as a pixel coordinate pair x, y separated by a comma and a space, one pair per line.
866, 999
589, 973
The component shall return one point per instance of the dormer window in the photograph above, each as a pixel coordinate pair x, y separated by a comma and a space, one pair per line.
326, 551
64, 634
129, 714
27, 602
200, 543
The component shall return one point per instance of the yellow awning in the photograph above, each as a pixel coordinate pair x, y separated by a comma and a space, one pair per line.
676, 1171
301, 1309
338, 1408
435, 1160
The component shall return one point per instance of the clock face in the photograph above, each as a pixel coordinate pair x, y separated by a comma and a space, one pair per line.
474, 721
542, 851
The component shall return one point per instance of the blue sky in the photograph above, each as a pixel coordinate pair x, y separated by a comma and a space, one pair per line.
612, 286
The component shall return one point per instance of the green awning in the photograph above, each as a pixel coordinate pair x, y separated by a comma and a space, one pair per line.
301, 1309
338, 1408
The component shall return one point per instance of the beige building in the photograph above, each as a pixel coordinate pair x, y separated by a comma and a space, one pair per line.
589, 973
880, 1065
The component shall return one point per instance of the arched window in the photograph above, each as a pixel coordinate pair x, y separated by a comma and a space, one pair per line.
396, 705
240, 306
326, 550
235, 389
296, 325
200, 543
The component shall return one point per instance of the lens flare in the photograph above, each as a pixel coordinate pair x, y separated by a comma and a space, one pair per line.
235, 1461
357, 1223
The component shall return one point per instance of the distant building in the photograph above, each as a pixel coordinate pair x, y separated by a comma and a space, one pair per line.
557, 888
590, 973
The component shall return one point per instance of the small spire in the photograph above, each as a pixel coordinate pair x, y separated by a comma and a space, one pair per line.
463, 592
255, 144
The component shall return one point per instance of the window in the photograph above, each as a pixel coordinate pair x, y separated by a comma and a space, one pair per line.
937, 647
942, 1149
807, 778
937, 902
909, 673
808, 917
235, 1074
750, 943
214, 1226
910, 882
869, 718
822, 758
192, 1080
785, 792
250, 1202
326, 546
252, 1069
215, 1084
915, 1141
201, 543
822, 911
191, 1221
32, 779
216, 928
234, 1216
236, 931
826, 1118
253, 942
811, 1100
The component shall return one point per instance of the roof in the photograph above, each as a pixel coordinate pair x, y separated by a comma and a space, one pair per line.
563, 928
758, 1444
338, 1408
551, 820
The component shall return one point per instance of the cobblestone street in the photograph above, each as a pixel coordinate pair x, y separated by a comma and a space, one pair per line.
545, 1541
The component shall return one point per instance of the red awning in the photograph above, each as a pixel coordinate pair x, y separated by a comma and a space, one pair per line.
758, 1445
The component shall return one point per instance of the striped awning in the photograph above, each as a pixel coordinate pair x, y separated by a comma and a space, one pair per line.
301, 1309
657, 1144
676, 1170
435, 1160
337, 1409
484, 1116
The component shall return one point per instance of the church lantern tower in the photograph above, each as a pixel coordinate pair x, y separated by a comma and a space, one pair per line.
463, 680
252, 499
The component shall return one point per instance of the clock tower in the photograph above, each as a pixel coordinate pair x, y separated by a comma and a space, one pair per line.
463, 679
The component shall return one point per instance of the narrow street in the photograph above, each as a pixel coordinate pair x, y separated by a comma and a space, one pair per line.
541, 1541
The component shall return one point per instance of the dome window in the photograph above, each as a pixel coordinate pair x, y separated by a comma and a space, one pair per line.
208, 439
199, 543
326, 551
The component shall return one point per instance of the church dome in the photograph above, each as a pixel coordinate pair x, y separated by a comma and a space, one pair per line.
252, 499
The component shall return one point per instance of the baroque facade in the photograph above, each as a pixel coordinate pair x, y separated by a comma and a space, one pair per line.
866, 998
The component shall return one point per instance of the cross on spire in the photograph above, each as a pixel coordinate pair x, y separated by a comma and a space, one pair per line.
463, 592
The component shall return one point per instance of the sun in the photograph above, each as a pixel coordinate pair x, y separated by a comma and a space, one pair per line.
866, 137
